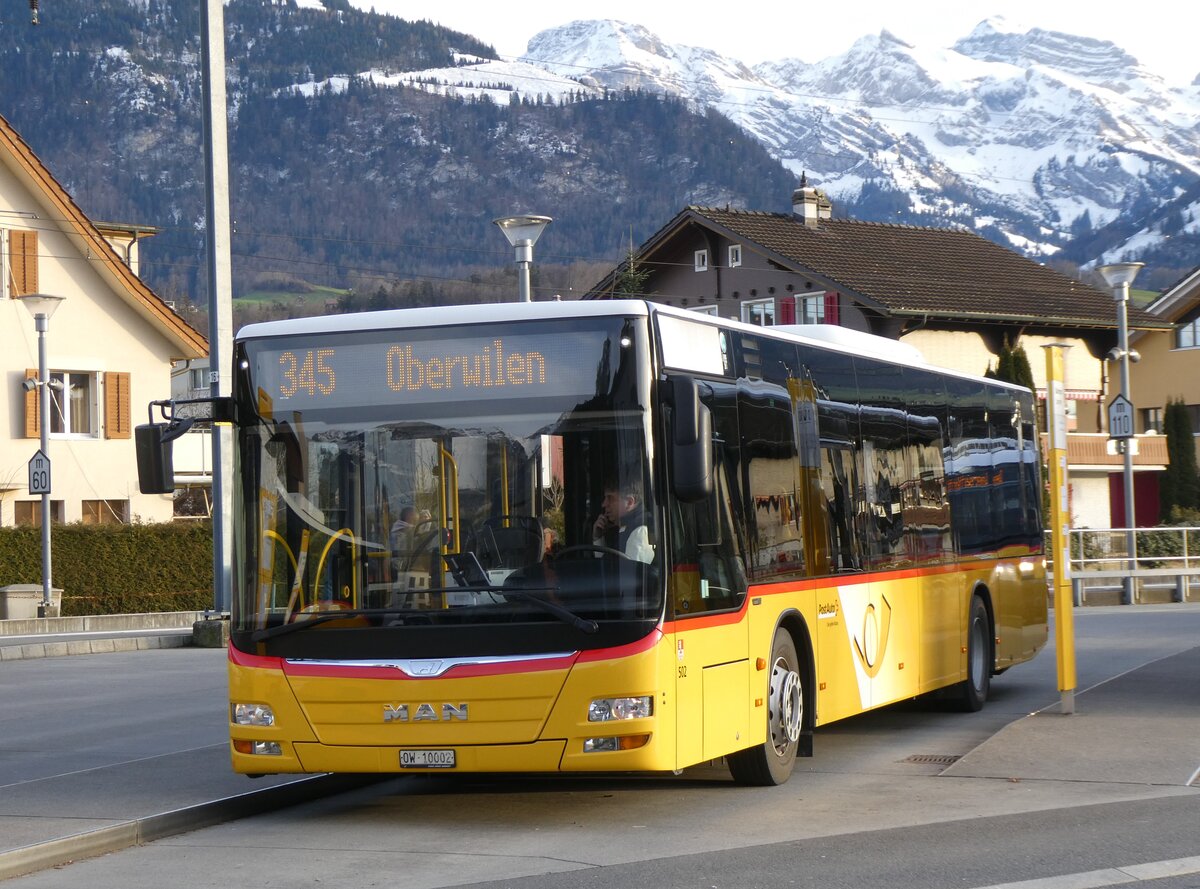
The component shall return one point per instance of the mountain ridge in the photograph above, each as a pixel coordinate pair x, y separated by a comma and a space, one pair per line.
366, 149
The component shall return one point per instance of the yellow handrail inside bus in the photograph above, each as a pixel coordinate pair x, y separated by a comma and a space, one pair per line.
343, 532
286, 548
291, 558
297, 595
448, 463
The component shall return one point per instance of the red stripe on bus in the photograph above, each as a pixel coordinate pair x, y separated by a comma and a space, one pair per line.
610, 654
257, 661
794, 586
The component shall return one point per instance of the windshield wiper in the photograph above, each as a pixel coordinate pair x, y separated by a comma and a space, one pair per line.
316, 620
564, 614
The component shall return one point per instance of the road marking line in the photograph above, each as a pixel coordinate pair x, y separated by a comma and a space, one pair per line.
1112, 876
1192, 780
1157, 870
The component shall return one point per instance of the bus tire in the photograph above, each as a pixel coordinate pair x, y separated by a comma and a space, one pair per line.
771, 763
973, 691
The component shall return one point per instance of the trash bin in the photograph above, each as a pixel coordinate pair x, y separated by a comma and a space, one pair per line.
20, 601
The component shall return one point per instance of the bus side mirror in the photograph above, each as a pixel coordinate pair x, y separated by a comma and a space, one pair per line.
691, 448
155, 464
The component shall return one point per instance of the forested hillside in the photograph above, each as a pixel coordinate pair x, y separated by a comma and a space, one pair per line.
358, 188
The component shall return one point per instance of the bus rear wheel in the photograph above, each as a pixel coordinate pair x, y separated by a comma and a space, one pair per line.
771, 763
974, 691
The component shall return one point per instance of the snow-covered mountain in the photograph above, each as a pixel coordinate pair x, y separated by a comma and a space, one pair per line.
1038, 138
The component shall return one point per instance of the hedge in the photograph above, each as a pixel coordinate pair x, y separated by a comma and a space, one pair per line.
116, 569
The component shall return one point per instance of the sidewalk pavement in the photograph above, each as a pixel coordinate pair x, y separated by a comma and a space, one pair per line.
1137, 728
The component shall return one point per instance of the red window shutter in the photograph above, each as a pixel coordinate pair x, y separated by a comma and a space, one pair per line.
787, 309
831, 307
32, 405
117, 404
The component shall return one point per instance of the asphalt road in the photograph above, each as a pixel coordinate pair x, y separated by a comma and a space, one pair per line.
912, 796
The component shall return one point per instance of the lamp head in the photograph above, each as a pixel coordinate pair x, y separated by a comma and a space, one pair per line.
1120, 273
40, 304
522, 228
29, 384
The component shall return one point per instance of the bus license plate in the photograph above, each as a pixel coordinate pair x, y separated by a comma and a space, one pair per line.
427, 759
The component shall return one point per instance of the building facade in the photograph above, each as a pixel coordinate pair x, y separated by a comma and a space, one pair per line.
110, 346
953, 295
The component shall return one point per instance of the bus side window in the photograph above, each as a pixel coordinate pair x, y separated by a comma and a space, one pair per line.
708, 572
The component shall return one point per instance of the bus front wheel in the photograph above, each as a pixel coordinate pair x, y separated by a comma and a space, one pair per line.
771, 763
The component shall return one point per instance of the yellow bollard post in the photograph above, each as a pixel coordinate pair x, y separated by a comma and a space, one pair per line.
1060, 551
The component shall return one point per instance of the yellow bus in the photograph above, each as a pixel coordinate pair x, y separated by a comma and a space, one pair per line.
611, 536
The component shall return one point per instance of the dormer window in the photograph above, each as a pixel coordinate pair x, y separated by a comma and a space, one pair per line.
735, 255
702, 260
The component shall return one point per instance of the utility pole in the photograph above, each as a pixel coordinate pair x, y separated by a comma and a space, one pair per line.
220, 299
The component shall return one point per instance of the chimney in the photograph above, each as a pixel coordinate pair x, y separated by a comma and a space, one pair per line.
810, 205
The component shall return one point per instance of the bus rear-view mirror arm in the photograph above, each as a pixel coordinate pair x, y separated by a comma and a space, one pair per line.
153, 441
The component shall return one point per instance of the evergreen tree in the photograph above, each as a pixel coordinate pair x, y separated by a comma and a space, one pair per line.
1012, 365
1180, 486
631, 279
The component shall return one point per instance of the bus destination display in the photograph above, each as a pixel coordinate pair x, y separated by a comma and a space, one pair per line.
303, 376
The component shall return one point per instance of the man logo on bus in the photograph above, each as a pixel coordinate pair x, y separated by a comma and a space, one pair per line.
872, 642
424, 713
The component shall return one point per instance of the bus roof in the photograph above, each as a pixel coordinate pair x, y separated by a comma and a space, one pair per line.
823, 336
443, 316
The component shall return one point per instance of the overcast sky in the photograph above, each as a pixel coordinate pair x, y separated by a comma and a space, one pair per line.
1157, 32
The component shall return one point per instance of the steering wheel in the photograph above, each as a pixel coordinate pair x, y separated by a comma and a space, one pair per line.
593, 548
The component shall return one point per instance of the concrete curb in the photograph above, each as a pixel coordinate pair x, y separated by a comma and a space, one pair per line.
52, 853
94, 646
112, 632
100, 623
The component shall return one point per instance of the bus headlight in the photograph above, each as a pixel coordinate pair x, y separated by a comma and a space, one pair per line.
609, 709
251, 714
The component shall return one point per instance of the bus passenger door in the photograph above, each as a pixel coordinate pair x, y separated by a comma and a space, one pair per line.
708, 590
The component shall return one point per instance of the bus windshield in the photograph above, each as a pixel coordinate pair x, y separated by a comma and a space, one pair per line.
398, 484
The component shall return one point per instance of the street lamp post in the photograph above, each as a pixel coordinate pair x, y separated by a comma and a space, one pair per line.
1119, 276
41, 306
522, 233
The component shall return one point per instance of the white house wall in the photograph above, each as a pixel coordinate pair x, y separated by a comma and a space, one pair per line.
94, 330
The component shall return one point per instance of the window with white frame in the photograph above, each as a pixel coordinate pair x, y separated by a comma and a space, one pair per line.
735, 255
73, 404
702, 260
704, 310
810, 309
759, 311
1187, 334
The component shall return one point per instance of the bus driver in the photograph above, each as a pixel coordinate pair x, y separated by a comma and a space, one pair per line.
622, 524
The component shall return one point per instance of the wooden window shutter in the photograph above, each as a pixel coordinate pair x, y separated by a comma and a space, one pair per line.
32, 405
118, 422
23, 261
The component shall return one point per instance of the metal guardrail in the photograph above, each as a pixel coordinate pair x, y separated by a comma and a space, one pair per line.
1134, 561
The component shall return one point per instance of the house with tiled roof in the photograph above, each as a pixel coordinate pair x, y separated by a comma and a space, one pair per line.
949, 292
110, 345
1169, 360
